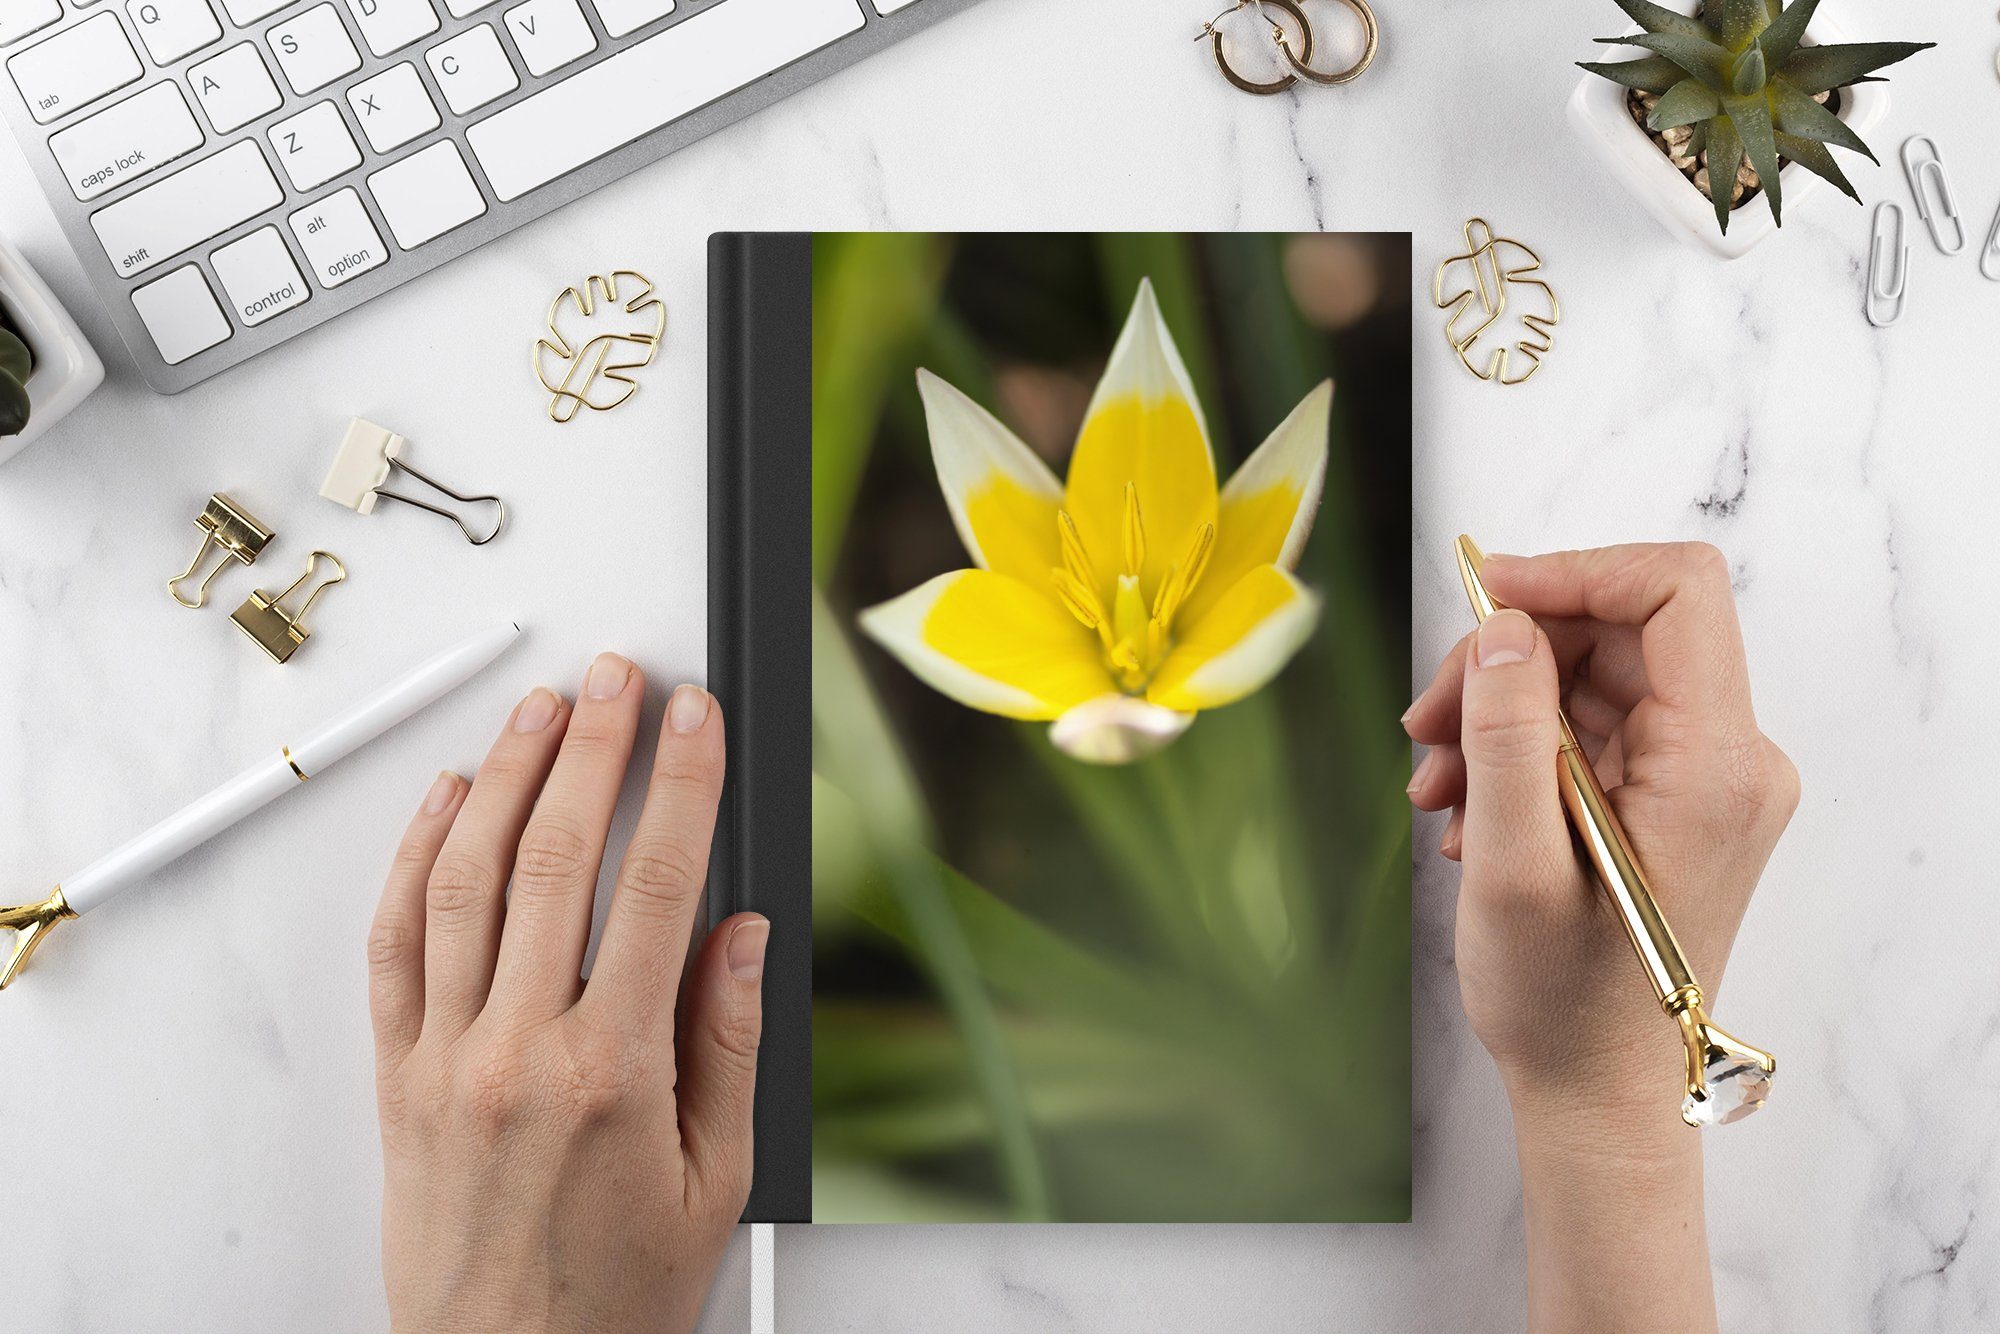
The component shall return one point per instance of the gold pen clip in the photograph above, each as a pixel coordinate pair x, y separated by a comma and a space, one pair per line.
277, 631
227, 525
1726, 1079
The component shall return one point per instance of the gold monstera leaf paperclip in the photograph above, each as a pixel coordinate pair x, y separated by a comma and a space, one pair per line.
1495, 277
598, 334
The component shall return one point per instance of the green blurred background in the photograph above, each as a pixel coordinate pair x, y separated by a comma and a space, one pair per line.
1171, 991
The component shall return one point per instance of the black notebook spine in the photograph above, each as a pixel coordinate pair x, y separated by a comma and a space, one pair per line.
759, 664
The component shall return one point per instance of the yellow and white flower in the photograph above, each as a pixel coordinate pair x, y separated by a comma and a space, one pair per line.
1121, 603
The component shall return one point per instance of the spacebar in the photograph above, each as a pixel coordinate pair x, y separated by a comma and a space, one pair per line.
645, 86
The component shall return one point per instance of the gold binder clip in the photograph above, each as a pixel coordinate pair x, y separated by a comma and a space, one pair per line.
277, 631
227, 525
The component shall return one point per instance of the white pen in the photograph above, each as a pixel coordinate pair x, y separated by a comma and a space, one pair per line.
264, 781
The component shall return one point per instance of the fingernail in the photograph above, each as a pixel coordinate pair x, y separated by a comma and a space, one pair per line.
746, 945
608, 675
1405, 719
537, 711
1423, 768
1506, 636
1448, 845
442, 791
688, 709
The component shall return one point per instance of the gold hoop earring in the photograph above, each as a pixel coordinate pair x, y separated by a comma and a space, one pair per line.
1370, 38
1283, 82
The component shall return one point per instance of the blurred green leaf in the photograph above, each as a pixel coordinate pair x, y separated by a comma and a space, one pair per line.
873, 293
850, 737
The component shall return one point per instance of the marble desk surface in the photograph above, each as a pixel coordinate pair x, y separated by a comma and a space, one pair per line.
185, 1080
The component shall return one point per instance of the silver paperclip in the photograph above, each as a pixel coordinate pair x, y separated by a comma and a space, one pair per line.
1884, 304
368, 454
1989, 258
1923, 172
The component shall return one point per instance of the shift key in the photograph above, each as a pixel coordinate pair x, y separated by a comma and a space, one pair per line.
157, 223
123, 142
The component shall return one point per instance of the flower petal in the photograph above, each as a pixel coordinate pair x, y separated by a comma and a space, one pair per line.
1145, 428
1240, 645
992, 643
1002, 497
1267, 510
1116, 729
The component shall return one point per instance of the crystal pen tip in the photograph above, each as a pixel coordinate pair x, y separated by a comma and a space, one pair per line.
1727, 1079
31, 924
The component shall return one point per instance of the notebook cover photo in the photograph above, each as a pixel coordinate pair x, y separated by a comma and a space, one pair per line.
1102, 606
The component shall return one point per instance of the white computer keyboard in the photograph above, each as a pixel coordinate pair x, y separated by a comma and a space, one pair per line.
231, 177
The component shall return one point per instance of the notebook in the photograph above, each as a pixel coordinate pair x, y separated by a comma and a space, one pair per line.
1059, 594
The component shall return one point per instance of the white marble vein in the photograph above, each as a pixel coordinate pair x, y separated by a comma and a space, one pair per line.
192, 1065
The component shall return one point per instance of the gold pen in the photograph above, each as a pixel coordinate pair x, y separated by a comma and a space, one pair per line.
1726, 1079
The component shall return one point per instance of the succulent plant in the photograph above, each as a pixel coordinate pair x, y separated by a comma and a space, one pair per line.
1739, 73
15, 363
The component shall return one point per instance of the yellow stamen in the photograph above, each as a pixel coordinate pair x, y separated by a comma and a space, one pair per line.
1075, 559
1181, 579
1135, 532
1082, 602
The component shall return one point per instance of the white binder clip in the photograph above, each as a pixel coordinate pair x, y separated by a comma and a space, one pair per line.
368, 454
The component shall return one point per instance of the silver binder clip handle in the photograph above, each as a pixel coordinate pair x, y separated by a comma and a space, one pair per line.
1884, 302
360, 473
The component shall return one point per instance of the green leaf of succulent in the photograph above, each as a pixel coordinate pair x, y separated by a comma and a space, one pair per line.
1725, 159
1653, 74
13, 406
1815, 158
1815, 69
1782, 38
1751, 117
15, 359
1796, 114
1739, 21
1656, 18
1684, 104
1750, 74
1703, 59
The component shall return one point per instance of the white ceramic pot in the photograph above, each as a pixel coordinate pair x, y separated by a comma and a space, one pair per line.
66, 369
1597, 112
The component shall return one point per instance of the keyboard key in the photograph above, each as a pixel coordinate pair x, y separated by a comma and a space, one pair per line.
234, 87
393, 107
314, 146
460, 8
391, 25
313, 49
627, 16
891, 6
18, 18
427, 194
243, 13
126, 140
471, 69
74, 68
181, 314
647, 85
172, 28
550, 34
157, 222
259, 276
339, 240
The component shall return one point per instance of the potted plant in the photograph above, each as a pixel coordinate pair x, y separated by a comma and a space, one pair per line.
1723, 102
46, 367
